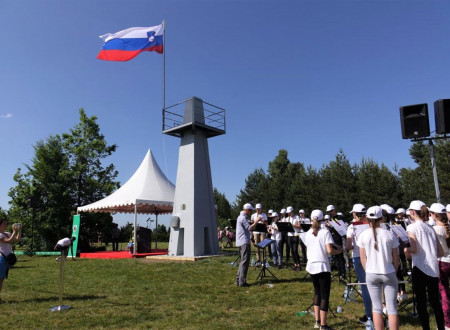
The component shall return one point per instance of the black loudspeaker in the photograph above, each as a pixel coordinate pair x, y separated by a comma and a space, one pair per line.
442, 116
414, 120
144, 240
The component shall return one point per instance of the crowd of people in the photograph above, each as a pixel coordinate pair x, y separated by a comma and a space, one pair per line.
387, 246
225, 237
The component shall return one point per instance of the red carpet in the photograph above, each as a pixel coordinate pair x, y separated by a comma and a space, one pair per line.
120, 254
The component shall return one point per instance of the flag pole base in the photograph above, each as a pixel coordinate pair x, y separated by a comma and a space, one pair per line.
60, 308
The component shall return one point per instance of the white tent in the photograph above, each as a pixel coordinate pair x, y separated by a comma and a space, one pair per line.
148, 191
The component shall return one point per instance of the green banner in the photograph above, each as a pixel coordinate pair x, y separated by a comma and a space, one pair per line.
75, 232
39, 253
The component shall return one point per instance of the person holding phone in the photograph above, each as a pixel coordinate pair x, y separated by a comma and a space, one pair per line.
6, 239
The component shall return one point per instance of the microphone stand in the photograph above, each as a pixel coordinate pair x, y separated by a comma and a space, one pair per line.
62, 262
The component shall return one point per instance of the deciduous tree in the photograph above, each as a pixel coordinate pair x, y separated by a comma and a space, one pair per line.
66, 172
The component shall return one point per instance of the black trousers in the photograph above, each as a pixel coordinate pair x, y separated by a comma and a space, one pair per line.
340, 263
284, 239
304, 255
322, 286
115, 244
293, 245
422, 285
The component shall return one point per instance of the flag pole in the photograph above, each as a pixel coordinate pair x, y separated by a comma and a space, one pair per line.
164, 64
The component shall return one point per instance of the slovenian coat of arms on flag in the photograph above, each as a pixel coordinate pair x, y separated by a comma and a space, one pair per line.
127, 44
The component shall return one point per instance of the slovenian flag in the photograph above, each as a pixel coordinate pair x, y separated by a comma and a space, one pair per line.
127, 44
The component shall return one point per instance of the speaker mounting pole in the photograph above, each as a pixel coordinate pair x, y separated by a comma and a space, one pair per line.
433, 162
435, 177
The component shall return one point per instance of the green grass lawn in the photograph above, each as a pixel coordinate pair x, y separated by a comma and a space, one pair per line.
140, 293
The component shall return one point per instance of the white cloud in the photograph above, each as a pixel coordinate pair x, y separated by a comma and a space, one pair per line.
7, 116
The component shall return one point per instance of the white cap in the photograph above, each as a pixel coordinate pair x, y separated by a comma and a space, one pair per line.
327, 217
289, 209
358, 208
301, 211
407, 212
274, 214
387, 208
248, 206
416, 205
400, 210
448, 208
330, 207
374, 212
317, 215
437, 208
258, 206
283, 211
270, 211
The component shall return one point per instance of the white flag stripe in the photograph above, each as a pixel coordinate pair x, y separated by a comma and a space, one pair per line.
134, 32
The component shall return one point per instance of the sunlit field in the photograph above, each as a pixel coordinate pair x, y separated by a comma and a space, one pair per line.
141, 293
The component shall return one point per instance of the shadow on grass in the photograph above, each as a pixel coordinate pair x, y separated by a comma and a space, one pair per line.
274, 281
53, 298
20, 267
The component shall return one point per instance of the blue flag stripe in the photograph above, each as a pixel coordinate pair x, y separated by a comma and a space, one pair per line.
132, 43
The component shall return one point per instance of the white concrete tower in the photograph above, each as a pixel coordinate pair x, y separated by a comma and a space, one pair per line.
194, 224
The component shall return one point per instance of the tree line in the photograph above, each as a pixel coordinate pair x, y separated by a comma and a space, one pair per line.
343, 184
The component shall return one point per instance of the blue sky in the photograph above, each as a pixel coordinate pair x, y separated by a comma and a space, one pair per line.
307, 76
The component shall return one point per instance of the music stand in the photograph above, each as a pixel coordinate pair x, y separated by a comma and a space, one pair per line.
306, 226
401, 307
236, 263
261, 227
304, 277
329, 308
262, 272
285, 227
